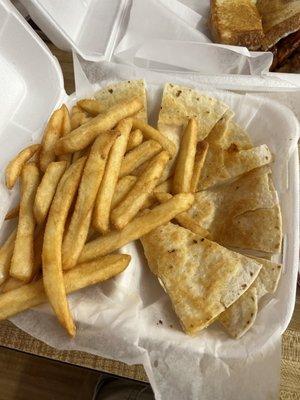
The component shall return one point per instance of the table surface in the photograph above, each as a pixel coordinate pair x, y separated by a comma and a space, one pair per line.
12, 337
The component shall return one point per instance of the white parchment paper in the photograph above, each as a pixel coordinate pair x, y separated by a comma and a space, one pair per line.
130, 317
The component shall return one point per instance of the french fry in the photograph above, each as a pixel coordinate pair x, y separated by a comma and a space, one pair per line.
133, 202
183, 218
52, 254
83, 275
135, 139
14, 168
138, 156
92, 176
138, 227
78, 117
65, 130
85, 134
6, 252
201, 152
151, 133
122, 188
91, 106
47, 188
52, 133
106, 191
11, 284
22, 263
12, 213
164, 187
185, 159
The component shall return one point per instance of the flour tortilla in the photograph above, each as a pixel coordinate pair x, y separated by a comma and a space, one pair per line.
241, 315
242, 214
122, 91
201, 277
179, 103
230, 154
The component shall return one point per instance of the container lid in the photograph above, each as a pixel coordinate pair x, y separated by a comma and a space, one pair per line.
90, 27
31, 80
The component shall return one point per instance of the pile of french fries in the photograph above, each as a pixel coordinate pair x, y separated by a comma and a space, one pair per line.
96, 182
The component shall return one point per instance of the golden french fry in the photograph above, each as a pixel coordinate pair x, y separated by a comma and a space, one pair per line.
52, 133
82, 275
65, 130
151, 133
11, 284
12, 213
135, 139
164, 187
138, 227
6, 252
78, 117
138, 156
91, 106
85, 134
14, 168
112, 169
183, 218
92, 176
52, 254
201, 152
22, 263
47, 188
134, 200
122, 188
185, 159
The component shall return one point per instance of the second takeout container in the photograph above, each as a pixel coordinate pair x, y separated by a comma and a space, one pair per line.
32, 86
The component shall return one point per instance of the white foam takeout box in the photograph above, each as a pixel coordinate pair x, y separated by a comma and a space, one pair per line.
32, 86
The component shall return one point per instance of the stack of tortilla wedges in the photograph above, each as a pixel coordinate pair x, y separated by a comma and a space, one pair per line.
218, 277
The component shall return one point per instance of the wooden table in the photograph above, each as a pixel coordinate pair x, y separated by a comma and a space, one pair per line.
13, 338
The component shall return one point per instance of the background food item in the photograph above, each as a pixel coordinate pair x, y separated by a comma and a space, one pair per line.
200, 157
6, 252
236, 22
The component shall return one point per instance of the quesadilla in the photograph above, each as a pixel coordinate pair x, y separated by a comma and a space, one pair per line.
241, 315
242, 214
180, 103
201, 277
122, 91
230, 154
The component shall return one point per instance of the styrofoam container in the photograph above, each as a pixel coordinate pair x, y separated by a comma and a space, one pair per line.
31, 82
90, 27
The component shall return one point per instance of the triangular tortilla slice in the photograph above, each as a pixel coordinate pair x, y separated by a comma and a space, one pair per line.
230, 154
201, 277
242, 214
124, 91
180, 103
241, 315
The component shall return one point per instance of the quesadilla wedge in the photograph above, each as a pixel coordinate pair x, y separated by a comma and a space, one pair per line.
230, 154
201, 277
242, 214
118, 92
241, 315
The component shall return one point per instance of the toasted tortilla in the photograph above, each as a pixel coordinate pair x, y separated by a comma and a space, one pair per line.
201, 277
242, 214
230, 154
180, 103
241, 315
122, 91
